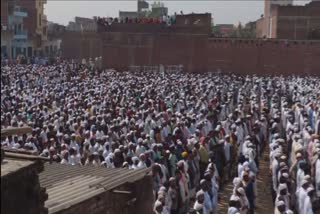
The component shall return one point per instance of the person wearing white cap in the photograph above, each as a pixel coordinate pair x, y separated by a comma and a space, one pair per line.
301, 194
162, 197
296, 146
64, 157
240, 135
317, 174
74, 158
172, 196
234, 205
307, 205
158, 207
135, 162
236, 184
243, 200
199, 204
280, 207
142, 163
208, 206
73, 142
109, 160
283, 194
227, 154
140, 147
274, 168
301, 173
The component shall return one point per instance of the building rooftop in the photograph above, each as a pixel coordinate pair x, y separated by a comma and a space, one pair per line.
11, 166
69, 185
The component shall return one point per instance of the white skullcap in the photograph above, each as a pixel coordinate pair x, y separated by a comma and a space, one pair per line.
134, 159
304, 182
234, 198
241, 191
310, 189
163, 189
282, 186
157, 204
286, 175
280, 203
199, 193
236, 181
198, 206
307, 177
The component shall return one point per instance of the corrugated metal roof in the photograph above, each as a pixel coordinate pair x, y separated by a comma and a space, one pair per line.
69, 185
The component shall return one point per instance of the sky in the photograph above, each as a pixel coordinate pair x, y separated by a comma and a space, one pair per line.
223, 11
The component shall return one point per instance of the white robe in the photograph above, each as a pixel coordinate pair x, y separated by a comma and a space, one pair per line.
317, 180
307, 207
301, 194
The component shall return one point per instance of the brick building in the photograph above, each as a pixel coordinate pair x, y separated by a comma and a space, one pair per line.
82, 24
142, 6
269, 5
24, 26
290, 21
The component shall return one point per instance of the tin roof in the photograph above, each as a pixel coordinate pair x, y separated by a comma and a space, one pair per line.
69, 185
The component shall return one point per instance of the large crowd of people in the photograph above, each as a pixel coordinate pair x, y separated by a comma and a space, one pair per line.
196, 132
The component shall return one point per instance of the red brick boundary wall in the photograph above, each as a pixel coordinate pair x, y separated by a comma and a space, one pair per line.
196, 52
264, 57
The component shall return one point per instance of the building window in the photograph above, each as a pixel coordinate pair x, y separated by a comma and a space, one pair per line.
40, 19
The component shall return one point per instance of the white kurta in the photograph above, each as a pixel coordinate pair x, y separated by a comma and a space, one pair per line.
317, 182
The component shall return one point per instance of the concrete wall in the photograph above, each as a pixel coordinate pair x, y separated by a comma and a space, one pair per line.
196, 52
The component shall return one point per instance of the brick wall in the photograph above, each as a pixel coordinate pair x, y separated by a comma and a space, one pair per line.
295, 22
264, 57
154, 28
197, 53
4, 12
76, 45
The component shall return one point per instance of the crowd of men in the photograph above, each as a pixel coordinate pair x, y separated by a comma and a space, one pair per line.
165, 20
196, 132
292, 134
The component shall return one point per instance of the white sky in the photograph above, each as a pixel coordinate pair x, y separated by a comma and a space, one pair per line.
223, 11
